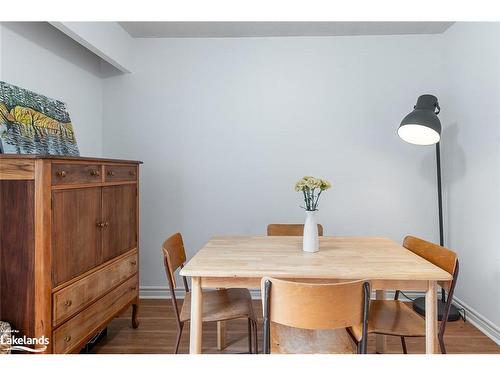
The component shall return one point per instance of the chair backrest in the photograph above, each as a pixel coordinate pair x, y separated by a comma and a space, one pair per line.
439, 256
315, 306
174, 256
289, 230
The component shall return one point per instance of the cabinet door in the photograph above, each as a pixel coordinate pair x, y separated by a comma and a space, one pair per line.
76, 235
120, 216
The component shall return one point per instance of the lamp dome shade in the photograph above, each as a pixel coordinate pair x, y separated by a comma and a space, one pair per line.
422, 126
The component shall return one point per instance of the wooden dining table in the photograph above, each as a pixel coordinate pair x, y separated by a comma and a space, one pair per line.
242, 261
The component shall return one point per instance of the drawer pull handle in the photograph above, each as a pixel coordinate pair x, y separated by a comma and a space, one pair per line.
94, 172
100, 225
61, 173
111, 173
68, 303
133, 262
131, 173
67, 338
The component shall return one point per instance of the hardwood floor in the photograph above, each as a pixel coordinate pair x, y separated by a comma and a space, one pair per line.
157, 332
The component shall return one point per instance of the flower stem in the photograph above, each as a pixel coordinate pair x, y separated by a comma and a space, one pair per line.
317, 199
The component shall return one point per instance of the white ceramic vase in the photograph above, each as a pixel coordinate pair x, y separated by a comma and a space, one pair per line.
310, 239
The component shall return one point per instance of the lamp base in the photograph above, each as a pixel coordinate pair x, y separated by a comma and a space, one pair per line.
419, 307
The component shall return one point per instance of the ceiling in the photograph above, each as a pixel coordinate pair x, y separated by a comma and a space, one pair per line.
277, 29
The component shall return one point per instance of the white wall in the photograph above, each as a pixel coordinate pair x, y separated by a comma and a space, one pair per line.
226, 126
40, 58
471, 144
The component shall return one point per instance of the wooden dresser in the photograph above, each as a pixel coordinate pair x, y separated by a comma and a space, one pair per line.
69, 257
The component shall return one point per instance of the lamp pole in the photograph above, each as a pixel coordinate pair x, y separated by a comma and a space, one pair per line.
440, 204
440, 194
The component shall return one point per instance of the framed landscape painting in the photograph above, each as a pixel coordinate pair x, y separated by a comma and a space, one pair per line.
31, 123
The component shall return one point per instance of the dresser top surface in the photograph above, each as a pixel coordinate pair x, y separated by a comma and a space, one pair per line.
68, 158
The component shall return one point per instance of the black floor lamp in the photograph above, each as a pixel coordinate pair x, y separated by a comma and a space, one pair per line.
422, 127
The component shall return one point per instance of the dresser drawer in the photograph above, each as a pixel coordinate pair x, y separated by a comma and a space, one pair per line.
76, 296
75, 332
64, 174
120, 173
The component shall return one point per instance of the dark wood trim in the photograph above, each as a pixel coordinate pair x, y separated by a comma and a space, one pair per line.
96, 184
43, 255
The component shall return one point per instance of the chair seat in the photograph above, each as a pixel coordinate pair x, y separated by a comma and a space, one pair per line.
395, 318
290, 340
219, 305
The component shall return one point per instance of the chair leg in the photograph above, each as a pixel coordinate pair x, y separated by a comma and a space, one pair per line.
255, 335
363, 346
250, 336
178, 340
403, 344
441, 344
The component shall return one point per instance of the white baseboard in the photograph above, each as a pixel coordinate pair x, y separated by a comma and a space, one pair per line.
476, 319
158, 292
162, 292
486, 326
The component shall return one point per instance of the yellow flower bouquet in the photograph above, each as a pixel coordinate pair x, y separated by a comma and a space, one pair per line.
311, 187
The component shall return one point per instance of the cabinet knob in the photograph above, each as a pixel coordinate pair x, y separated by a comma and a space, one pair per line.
67, 338
111, 173
68, 303
131, 173
100, 225
133, 262
133, 288
94, 172
106, 224
61, 173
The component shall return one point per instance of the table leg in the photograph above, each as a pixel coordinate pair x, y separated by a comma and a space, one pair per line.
380, 340
221, 335
196, 316
431, 318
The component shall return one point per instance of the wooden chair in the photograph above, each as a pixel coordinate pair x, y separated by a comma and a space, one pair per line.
396, 318
289, 230
218, 305
341, 306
